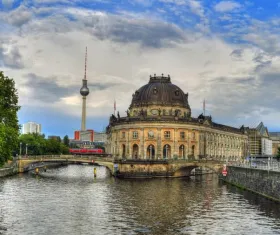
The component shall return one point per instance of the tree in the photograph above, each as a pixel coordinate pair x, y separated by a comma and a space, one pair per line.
278, 154
66, 140
9, 127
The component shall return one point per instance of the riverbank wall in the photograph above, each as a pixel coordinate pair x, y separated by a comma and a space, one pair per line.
262, 182
8, 171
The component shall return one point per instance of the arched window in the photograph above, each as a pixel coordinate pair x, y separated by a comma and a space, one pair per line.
182, 151
193, 148
150, 151
135, 151
167, 151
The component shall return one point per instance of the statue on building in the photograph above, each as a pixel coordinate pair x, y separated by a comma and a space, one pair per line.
159, 112
118, 115
113, 118
128, 113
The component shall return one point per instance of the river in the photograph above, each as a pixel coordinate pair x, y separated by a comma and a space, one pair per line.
69, 200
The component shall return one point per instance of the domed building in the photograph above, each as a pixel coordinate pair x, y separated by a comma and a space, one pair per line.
158, 125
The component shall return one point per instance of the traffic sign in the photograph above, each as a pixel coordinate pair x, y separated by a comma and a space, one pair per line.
224, 172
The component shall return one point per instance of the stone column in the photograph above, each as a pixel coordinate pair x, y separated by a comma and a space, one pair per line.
128, 145
117, 144
159, 150
175, 143
142, 140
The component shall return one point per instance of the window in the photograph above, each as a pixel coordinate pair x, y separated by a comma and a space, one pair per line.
193, 135
182, 135
167, 134
135, 135
123, 134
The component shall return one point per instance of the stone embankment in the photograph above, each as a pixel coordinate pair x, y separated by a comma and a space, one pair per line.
10, 168
260, 181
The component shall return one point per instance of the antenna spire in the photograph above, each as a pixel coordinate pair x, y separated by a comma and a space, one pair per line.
85, 76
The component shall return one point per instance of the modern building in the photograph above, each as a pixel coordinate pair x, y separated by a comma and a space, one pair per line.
158, 125
100, 137
260, 143
86, 135
31, 127
275, 137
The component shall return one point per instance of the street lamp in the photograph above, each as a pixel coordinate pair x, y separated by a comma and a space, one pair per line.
20, 145
26, 149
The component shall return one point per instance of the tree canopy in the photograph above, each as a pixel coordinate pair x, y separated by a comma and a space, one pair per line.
66, 140
9, 127
278, 154
36, 144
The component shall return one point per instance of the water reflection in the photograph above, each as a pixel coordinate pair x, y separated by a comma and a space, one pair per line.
69, 200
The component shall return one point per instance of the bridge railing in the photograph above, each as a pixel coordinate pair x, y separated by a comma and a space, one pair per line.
168, 161
264, 165
69, 157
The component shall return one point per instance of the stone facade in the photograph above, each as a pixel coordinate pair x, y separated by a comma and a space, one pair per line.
275, 137
158, 125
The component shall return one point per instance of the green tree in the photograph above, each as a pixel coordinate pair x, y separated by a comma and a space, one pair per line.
66, 140
9, 127
35, 143
278, 154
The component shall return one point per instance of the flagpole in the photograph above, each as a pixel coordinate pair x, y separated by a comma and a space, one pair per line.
114, 107
204, 107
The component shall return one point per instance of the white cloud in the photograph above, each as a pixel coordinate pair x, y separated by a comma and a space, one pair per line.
7, 3
196, 8
225, 6
122, 53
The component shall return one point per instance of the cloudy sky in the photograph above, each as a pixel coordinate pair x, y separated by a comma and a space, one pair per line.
227, 52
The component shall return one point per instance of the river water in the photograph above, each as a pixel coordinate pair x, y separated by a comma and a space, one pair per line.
69, 200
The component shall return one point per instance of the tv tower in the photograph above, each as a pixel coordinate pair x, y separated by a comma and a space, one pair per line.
84, 91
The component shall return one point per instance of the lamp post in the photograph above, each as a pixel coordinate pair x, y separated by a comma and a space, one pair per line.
26, 149
20, 146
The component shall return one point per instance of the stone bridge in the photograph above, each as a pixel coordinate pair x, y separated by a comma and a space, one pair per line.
163, 168
31, 162
129, 168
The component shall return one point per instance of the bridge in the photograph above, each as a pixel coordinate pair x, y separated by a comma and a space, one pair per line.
126, 168
32, 162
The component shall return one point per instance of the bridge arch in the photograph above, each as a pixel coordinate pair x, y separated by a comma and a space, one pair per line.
184, 169
25, 165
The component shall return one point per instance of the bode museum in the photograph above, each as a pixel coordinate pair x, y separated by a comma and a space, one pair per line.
159, 125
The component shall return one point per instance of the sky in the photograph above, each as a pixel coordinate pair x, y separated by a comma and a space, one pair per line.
226, 52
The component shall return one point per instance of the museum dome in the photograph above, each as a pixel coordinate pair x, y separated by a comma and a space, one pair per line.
159, 91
